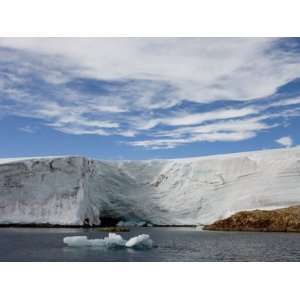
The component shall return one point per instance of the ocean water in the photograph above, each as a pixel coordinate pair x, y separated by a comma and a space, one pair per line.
172, 244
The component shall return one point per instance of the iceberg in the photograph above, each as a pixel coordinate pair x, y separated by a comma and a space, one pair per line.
113, 240
76, 241
140, 242
76, 191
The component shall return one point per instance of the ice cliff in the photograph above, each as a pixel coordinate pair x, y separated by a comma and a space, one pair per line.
74, 190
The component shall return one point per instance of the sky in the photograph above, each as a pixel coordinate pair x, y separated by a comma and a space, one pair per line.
147, 98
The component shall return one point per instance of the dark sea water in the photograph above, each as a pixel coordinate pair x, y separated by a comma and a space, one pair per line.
172, 244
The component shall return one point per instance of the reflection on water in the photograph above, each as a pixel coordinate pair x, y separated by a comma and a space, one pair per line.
85, 251
172, 244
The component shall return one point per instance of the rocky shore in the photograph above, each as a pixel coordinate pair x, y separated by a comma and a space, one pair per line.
277, 220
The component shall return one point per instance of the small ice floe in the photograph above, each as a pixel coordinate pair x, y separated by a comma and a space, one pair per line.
113, 240
80, 240
141, 241
200, 227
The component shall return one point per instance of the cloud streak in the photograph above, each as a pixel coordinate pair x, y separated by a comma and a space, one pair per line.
285, 141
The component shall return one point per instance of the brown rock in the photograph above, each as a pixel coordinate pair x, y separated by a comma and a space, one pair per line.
280, 220
113, 229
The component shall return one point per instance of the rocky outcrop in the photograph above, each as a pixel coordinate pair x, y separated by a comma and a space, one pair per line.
277, 220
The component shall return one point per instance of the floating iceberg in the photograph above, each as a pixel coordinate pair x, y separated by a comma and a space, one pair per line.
141, 241
113, 240
76, 241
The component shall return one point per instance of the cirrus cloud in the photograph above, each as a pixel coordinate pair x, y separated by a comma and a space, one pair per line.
155, 92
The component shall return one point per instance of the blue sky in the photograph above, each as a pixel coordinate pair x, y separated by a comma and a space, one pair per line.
143, 98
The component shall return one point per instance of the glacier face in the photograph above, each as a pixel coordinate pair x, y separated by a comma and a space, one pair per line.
41, 191
70, 190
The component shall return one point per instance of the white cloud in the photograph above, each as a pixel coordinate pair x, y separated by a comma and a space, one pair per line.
237, 125
206, 137
27, 129
145, 81
184, 119
228, 130
286, 102
285, 141
199, 69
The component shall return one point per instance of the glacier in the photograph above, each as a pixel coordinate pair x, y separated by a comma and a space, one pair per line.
73, 190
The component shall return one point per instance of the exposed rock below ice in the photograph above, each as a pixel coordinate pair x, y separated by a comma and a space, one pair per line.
132, 223
77, 191
113, 229
113, 240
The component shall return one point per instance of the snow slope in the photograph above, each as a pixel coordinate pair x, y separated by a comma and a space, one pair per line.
69, 190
